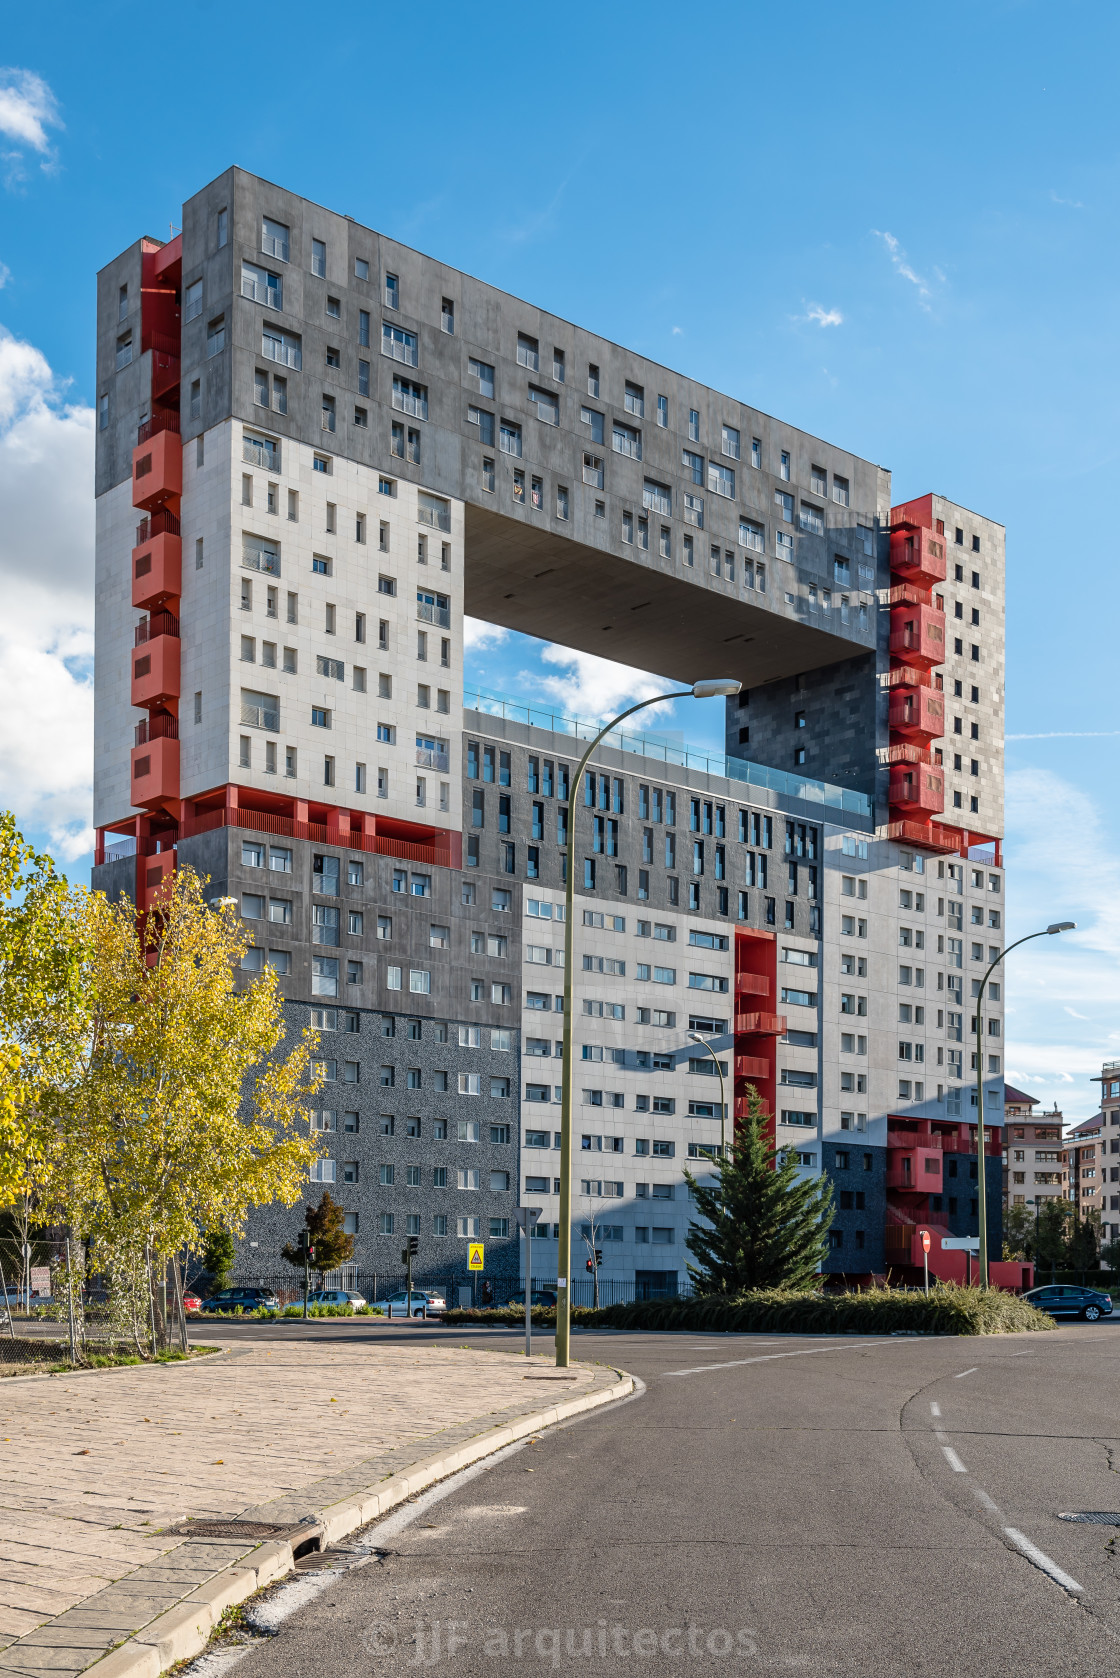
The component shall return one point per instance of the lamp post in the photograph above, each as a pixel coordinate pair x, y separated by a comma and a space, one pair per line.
1046, 932
718, 687
695, 1037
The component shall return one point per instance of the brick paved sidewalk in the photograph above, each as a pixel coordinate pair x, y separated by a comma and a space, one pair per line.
92, 1467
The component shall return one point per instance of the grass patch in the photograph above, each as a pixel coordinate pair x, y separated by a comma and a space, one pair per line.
946, 1309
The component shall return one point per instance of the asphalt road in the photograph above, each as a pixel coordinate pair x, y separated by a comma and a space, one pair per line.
769, 1503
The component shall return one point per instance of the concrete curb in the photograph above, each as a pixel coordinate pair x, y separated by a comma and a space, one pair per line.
184, 1631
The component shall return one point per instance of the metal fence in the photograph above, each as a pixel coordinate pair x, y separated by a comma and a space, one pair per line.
472, 1292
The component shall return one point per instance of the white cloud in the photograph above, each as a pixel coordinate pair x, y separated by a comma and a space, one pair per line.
902, 267
678, 332
824, 317
27, 109
596, 688
1070, 203
46, 575
1063, 992
478, 635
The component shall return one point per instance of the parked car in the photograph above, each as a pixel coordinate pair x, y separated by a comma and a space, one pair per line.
396, 1305
192, 1302
242, 1299
1089, 1303
544, 1297
336, 1296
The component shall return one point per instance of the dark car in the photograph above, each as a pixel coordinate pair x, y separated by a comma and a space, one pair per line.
544, 1297
242, 1299
1089, 1303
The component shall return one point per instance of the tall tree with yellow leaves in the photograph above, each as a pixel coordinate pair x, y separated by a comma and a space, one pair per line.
191, 1107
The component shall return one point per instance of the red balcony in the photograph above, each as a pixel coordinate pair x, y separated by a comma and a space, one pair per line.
156, 671
917, 713
155, 771
918, 635
157, 571
752, 984
152, 873
935, 837
159, 726
149, 629
157, 471
165, 363
753, 1066
917, 556
906, 753
915, 1170
164, 419
917, 791
760, 1025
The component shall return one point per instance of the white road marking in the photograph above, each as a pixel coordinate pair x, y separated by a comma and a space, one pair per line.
768, 1357
1042, 1560
1020, 1354
965, 1372
989, 1504
942, 1438
953, 1460
934, 1408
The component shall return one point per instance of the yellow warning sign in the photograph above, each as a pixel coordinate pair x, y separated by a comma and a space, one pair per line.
475, 1252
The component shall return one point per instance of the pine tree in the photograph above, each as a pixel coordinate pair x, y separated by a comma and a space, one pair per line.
326, 1232
764, 1227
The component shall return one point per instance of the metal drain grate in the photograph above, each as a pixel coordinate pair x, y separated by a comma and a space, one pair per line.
1094, 1517
227, 1529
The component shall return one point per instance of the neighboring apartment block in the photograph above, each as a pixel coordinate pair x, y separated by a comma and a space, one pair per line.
319, 449
1110, 1146
1035, 1158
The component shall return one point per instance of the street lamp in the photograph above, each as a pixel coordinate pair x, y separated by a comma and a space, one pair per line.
713, 688
1047, 932
695, 1037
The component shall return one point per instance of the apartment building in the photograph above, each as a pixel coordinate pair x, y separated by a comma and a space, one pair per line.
1086, 1150
317, 450
1110, 1144
1036, 1162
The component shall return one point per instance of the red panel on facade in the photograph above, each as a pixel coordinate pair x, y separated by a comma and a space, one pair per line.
756, 974
155, 773
917, 713
917, 789
155, 671
157, 571
157, 470
918, 556
918, 512
915, 1170
918, 635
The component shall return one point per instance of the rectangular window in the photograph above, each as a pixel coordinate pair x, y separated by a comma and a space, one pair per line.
216, 336
721, 480
657, 497
399, 345
731, 442
627, 440
528, 352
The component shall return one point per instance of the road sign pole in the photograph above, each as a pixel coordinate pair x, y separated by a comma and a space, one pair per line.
925, 1255
526, 1217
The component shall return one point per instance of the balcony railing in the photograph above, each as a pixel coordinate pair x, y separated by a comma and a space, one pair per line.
752, 984
439, 615
160, 623
160, 523
760, 1025
156, 728
673, 753
164, 419
437, 759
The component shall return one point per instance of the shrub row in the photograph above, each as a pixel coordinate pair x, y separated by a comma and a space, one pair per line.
946, 1309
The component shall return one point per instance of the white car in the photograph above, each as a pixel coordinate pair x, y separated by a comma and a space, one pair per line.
397, 1307
336, 1296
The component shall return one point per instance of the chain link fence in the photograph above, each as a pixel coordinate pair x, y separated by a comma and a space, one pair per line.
65, 1304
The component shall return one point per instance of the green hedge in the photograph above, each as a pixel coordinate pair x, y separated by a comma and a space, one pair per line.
946, 1309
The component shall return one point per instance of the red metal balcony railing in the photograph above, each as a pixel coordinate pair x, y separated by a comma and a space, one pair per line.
752, 984
909, 594
156, 728
160, 523
906, 753
752, 1066
164, 419
933, 837
760, 1025
159, 623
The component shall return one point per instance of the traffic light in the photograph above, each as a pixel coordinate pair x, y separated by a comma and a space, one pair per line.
305, 1248
598, 1256
589, 1265
414, 1245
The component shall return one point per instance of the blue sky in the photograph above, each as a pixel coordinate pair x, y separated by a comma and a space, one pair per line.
893, 226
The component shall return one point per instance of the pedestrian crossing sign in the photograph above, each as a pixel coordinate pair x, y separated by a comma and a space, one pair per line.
475, 1253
